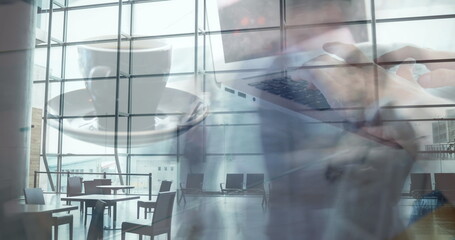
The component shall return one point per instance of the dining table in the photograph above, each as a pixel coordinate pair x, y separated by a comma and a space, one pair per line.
37, 218
115, 188
108, 198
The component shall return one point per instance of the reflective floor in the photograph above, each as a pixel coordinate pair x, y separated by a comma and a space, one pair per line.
223, 218
241, 217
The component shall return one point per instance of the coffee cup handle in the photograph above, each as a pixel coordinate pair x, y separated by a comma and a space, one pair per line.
97, 71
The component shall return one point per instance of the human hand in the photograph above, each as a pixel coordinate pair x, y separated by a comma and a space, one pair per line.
441, 64
348, 81
355, 87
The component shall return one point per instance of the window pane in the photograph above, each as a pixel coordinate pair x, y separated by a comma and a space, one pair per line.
94, 165
318, 12
182, 58
95, 97
92, 135
81, 24
142, 144
160, 22
42, 178
57, 25
415, 8
89, 2
435, 34
221, 165
55, 68
152, 165
40, 57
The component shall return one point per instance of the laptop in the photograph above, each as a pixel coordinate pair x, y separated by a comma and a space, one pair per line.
247, 65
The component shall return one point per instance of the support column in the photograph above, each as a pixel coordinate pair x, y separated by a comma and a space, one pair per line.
16, 59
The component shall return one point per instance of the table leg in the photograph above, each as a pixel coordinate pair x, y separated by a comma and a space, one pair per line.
114, 219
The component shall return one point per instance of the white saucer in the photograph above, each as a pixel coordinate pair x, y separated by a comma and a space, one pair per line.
186, 110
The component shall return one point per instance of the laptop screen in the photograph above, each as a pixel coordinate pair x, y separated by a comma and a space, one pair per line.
253, 29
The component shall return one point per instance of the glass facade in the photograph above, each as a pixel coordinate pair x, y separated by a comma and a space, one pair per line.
164, 87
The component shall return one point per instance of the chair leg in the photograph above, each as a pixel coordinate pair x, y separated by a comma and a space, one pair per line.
55, 232
168, 236
140, 237
123, 235
85, 215
145, 213
264, 201
138, 209
71, 230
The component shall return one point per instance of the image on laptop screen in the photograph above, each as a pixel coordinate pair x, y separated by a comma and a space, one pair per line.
252, 29
261, 28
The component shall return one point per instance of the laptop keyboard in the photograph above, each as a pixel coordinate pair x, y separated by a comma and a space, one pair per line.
296, 91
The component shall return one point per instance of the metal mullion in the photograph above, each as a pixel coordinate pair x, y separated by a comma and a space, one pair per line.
62, 99
91, 79
75, 43
121, 76
234, 154
375, 53
234, 112
196, 41
283, 45
161, 74
74, 8
85, 155
62, 90
204, 43
328, 24
419, 18
233, 125
46, 96
246, 70
50, 154
154, 155
129, 120
157, 114
204, 77
99, 5
242, 30
163, 36
282, 25
44, 81
81, 116
117, 90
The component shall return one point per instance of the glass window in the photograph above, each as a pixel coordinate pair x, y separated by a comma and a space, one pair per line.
81, 26
160, 22
146, 165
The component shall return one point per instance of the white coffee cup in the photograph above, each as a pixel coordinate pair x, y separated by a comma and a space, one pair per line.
150, 64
